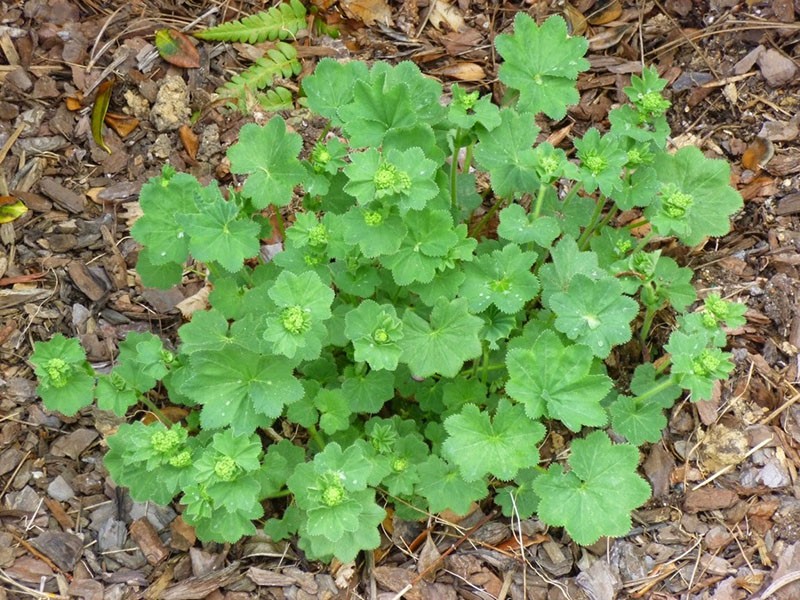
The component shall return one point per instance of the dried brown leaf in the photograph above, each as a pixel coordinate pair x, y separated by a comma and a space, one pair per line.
177, 48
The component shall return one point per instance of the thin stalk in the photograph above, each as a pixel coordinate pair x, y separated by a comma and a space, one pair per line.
656, 389
643, 242
280, 222
583, 241
156, 411
570, 195
454, 172
485, 218
649, 314
485, 375
315, 436
537, 207
468, 158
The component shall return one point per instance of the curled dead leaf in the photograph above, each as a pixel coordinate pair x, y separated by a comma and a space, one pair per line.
758, 154
122, 124
442, 12
74, 103
189, 140
463, 71
606, 12
610, 37
368, 11
576, 21
177, 48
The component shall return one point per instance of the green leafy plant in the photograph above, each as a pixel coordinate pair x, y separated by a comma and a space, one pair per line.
418, 356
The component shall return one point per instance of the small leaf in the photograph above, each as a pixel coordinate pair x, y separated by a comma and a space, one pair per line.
11, 209
99, 111
122, 124
597, 496
177, 49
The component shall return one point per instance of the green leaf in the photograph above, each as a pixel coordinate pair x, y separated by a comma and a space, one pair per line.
696, 199
502, 278
208, 330
543, 63
695, 364
595, 313
467, 110
506, 152
430, 238
558, 382
522, 228
568, 261
368, 393
165, 201
499, 447
268, 155
66, 381
335, 410
638, 420
220, 234
240, 389
376, 232
377, 108
400, 178
442, 343
347, 547
304, 304
442, 485
519, 501
330, 86
602, 160
596, 497
157, 276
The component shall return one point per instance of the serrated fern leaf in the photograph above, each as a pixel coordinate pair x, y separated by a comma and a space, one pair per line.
276, 99
280, 61
278, 23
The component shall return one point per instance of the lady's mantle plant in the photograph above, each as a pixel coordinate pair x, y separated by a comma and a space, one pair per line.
419, 362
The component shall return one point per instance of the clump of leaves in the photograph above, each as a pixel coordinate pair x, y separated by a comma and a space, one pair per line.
422, 366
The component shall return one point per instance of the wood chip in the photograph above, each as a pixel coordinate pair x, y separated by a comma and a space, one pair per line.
64, 549
196, 588
65, 198
709, 498
146, 537
86, 282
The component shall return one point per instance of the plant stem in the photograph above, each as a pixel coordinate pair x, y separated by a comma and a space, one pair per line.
649, 314
156, 411
316, 437
485, 375
583, 241
668, 382
643, 242
485, 218
454, 172
537, 208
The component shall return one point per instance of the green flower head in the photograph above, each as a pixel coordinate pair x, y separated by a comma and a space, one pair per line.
320, 157
181, 459
675, 203
226, 468
58, 372
399, 464
333, 492
706, 363
595, 163
390, 179
373, 218
467, 101
295, 319
653, 104
165, 441
318, 235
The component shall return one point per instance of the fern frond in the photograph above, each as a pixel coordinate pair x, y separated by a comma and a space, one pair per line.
279, 22
278, 98
242, 89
